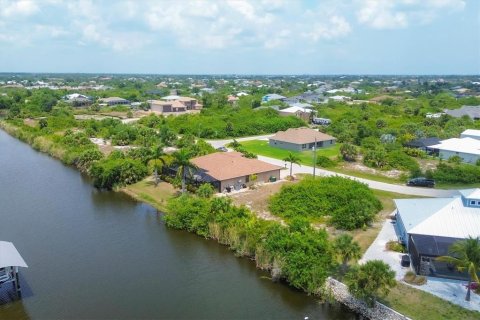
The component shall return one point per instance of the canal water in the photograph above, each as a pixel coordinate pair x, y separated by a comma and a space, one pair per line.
102, 255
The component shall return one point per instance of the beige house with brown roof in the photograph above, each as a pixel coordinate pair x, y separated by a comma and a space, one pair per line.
301, 139
231, 169
175, 104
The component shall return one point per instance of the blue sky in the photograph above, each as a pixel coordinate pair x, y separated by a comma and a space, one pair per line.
241, 36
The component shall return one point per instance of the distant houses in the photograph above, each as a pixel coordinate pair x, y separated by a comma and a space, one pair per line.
113, 101
301, 139
470, 111
423, 144
78, 99
272, 97
297, 111
232, 171
174, 104
429, 226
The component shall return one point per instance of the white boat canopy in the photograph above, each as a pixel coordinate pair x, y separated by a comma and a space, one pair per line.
9, 256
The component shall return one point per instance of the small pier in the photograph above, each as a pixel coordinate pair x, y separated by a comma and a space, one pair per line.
10, 261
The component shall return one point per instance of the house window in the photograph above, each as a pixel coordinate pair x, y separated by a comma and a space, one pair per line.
472, 202
304, 146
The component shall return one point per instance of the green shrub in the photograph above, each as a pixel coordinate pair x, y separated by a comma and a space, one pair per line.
460, 173
393, 245
206, 190
325, 162
412, 278
349, 204
298, 253
109, 173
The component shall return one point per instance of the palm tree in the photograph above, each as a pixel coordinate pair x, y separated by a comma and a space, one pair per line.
292, 159
465, 255
346, 249
157, 162
181, 159
369, 280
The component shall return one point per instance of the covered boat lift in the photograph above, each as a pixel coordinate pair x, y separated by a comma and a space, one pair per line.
10, 261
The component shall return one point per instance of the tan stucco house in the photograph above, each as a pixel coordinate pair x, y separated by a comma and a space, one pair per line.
231, 169
301, 139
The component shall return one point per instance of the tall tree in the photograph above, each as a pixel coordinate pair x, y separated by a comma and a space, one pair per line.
181, 159
346, 249
465, 255
292, 159
370, 280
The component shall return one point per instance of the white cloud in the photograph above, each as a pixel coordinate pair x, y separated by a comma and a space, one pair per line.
394, 14
18, 8
335, 27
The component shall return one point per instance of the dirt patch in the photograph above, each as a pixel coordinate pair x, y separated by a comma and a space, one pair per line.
30, 122
427, 164
360, 167
257, 200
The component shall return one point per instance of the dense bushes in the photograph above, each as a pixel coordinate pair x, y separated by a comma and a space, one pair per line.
301, 255
455, 173
215, 123
109, 173
348, 204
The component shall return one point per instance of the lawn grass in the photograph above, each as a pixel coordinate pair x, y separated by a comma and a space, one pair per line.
146, 191
417, 304
262, 148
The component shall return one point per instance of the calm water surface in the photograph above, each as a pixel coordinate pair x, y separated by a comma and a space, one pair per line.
99, 255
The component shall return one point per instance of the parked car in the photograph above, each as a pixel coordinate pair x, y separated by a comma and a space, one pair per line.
405, 261
421, 182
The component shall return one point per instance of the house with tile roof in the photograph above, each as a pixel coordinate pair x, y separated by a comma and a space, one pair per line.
429, 226
174, 104
232, 170
301, 139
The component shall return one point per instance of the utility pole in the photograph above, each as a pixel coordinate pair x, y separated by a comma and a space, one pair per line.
314, 157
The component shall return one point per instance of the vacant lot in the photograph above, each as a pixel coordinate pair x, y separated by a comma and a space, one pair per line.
146, 190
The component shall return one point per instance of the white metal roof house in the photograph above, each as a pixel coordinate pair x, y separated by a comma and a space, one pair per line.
429, 226
466, 148
471, 133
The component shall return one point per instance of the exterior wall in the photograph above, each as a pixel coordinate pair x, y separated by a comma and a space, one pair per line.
299, 147
117, 102
467, 158
238, 182
157, 107
285, 145
400, 230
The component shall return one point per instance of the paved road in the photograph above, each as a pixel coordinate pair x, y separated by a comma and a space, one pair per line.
425, 192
